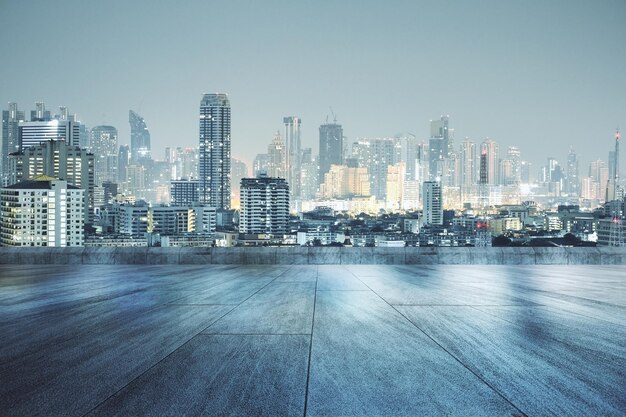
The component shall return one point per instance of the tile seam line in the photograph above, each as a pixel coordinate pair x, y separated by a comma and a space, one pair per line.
501, 395
179, 347
308, 370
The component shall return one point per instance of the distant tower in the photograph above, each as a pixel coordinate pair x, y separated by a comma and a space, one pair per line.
139, 137
573, 180
104, 147
483, 181
11, 119
277, 158
294, 154
468, 166
214, 161
123, 158
439, 147
613, 189
331, 147
491, 151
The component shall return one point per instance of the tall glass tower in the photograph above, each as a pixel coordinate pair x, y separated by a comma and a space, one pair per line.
294, 154
214, 158
139, 137
331, 147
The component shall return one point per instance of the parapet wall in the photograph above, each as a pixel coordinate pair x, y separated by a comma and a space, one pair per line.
316, 256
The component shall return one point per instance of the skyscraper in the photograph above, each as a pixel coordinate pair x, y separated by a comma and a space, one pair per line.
214, 153
56, 159
42, 127
139, 137
123, 158
104, 147
490, 149
293, 154
613, 189
277, 158
433, 204
10, 141
468, 166
331, 147
439, 146
573, 180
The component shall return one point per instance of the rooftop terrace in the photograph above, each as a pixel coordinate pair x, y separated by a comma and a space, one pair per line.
334, 340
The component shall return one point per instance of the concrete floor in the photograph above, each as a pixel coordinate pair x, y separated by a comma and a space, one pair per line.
313, 340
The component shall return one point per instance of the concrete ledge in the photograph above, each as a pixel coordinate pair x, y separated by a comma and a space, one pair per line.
316, 256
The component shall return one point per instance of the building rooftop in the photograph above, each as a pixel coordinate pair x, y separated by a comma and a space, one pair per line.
312, 340
41, 182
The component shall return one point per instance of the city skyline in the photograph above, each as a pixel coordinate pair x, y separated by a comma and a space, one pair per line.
549, 81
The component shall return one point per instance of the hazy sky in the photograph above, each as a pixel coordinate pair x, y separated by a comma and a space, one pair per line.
543, 75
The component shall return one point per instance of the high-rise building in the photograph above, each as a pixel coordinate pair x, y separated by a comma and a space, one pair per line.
342, 181
433, 203
514, 155
260, 164
439, 147
11, 119
214, 152
264, 205
467, 166
614, 191
42, 127
123, 159
184, 192
139, 137
277, 158
331, 147
293, 154
239, 171
57, 159
491, 152
308, 175
103, 144
572, 180
377, 155
44, 211
40, 114
395, 186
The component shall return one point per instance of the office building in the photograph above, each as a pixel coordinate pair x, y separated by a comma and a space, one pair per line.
11, 119
342, 181
44, 211
277, 158
490, 149
433, 203
57, 159
214, 151
123, 160
103, 145
331, 147
264, 206
468, 168
377, 155
293, 155
439, 147
184, 192
572, 176
33, 133
308, 175
139, 138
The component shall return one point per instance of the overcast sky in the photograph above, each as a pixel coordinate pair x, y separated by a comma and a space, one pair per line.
542, 75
